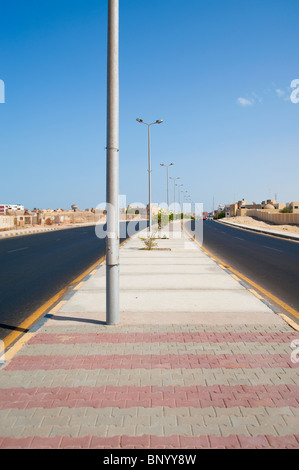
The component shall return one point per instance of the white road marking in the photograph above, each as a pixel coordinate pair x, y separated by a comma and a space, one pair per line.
270, 248
18, 249
239, 238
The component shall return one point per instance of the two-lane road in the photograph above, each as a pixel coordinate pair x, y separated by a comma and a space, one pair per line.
34, 268
271, 262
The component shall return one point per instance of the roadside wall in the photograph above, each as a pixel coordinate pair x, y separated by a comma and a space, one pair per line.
272, 216
6, 222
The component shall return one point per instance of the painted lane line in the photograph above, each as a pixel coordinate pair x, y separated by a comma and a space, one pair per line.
18, 249
270, 248
239, 238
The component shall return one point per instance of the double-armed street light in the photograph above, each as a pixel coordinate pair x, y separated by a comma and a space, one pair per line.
159, 121
167, 166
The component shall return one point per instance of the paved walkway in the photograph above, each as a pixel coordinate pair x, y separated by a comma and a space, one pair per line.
197, 361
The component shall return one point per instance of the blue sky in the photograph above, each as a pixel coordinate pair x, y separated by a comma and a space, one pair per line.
218, 72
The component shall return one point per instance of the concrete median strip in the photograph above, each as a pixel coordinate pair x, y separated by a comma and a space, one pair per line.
197, 361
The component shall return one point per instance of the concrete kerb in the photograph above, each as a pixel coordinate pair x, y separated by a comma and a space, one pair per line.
291, 237
32, 231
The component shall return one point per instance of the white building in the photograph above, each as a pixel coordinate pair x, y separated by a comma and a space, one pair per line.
12, 207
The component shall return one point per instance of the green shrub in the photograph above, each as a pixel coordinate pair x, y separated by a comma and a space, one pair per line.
149, 241
220, 215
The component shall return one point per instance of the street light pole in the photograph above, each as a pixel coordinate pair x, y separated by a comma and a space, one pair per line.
182, 193
174, 180
159, 121
167, 166
179, 191
112, 176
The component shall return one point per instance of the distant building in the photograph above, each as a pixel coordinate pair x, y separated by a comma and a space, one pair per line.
10, 207
227, 210
270, 205
295, 207
136, 209
242, 204
233, 209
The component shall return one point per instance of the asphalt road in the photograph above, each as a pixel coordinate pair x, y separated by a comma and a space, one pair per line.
33, 268
271, 262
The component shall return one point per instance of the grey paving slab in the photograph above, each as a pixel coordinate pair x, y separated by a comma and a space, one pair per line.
196, 281
208, 267
147, 377
227, 300
102, 423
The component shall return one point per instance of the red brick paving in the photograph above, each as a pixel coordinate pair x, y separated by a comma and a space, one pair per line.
181, 337
153, 442
150, 361
147, 396
172, 396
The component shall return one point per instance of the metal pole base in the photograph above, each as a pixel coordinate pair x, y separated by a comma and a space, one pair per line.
112, 300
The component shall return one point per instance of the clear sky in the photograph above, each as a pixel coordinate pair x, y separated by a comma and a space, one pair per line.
218, 72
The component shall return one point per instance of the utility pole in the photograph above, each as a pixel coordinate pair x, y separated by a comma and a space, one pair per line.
112, 176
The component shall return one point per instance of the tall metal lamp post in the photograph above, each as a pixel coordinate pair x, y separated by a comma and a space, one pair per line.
167, 166
112, 176
159, 121
174, 180
179, 192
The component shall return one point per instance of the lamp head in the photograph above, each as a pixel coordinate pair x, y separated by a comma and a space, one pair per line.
139, 120
159, 121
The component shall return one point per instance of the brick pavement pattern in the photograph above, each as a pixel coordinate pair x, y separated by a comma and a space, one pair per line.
164, 378
186, 386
